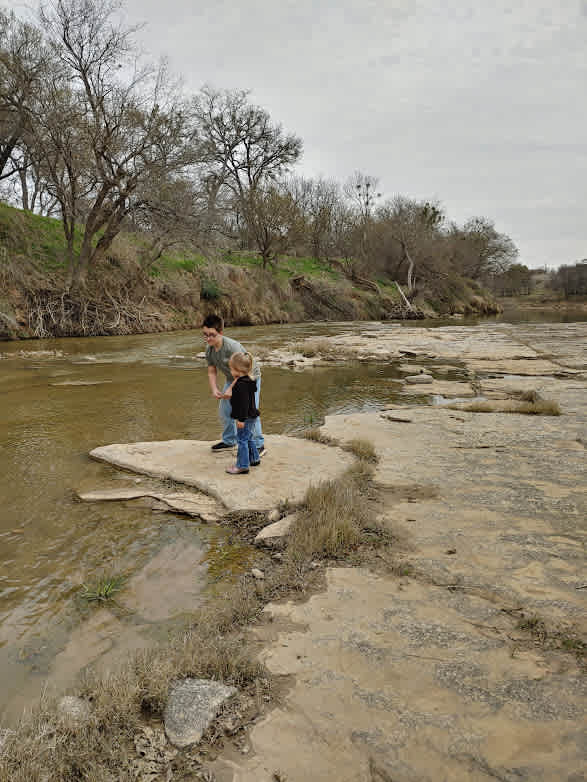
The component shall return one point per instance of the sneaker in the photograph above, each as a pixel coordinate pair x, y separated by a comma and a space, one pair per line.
262, 451
221, 446
255, 464
234, 470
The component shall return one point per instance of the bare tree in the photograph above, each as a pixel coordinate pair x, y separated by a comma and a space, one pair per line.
412, 225
24, 62
361, 191
318, 199
479, 250
242, 152
273, 220
169, 212
120, 132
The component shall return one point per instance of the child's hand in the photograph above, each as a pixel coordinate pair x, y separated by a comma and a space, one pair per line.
240, 424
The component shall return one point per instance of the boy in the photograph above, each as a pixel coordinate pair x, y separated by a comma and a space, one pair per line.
219, 349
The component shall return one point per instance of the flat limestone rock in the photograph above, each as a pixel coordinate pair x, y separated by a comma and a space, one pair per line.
112, 494
292, 464
202, 505
373, 666
447, 388
274, 534
191, 707
421, 378
81, 383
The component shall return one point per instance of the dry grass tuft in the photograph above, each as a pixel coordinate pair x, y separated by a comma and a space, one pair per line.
539, 407
317, 436
362, 449
333, 515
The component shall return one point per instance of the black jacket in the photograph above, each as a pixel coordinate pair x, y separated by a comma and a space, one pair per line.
243, 399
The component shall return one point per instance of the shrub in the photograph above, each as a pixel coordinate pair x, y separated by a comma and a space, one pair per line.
210, 289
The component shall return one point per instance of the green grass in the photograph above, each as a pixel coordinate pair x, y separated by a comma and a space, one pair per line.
102, 590
176, 260
289, 266
40, 239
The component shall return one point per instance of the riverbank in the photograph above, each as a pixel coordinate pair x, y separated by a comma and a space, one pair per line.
124, 295
456, 618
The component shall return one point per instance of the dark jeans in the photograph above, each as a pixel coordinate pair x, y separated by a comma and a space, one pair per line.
247, 450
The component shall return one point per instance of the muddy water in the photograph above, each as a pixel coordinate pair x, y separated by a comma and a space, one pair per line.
143, 388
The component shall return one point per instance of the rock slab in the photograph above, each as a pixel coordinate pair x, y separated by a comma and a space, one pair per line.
290, 467
191, 707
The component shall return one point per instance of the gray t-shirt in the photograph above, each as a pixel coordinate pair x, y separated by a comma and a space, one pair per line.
220, 358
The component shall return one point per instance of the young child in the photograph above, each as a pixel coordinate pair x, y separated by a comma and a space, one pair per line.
244, 411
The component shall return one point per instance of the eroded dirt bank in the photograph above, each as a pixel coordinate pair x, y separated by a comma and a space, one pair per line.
455, 660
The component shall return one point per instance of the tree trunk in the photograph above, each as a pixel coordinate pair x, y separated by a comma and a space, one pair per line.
410, 279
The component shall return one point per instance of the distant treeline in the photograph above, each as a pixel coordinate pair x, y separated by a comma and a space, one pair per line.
106, 145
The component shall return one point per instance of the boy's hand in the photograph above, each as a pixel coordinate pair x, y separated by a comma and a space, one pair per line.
217, 394
240, 424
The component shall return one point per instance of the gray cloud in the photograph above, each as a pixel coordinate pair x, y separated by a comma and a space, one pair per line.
480, 105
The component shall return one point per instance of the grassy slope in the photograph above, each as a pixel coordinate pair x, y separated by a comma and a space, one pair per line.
41, 240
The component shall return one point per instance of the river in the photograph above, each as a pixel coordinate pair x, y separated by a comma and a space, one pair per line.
60, 399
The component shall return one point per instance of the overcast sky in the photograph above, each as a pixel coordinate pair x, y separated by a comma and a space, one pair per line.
481, 105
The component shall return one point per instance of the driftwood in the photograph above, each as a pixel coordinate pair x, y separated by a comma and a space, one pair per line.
350, 274
408, 305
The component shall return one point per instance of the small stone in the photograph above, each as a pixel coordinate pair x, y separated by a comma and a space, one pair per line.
274, 534
314, 565
191, 707
278, 556
274, 515
419, 378
451, 551
74, 711
258, 574
138, 480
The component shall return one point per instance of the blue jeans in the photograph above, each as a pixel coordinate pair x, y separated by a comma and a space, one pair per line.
247, 450
229, 426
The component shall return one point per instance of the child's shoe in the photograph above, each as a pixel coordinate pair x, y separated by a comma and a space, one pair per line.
234, 470
255, 464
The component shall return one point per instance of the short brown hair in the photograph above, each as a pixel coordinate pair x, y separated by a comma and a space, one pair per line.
213, 322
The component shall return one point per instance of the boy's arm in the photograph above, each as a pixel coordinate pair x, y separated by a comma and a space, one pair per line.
213, 381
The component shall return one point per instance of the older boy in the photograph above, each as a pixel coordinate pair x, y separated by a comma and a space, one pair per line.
219, 349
